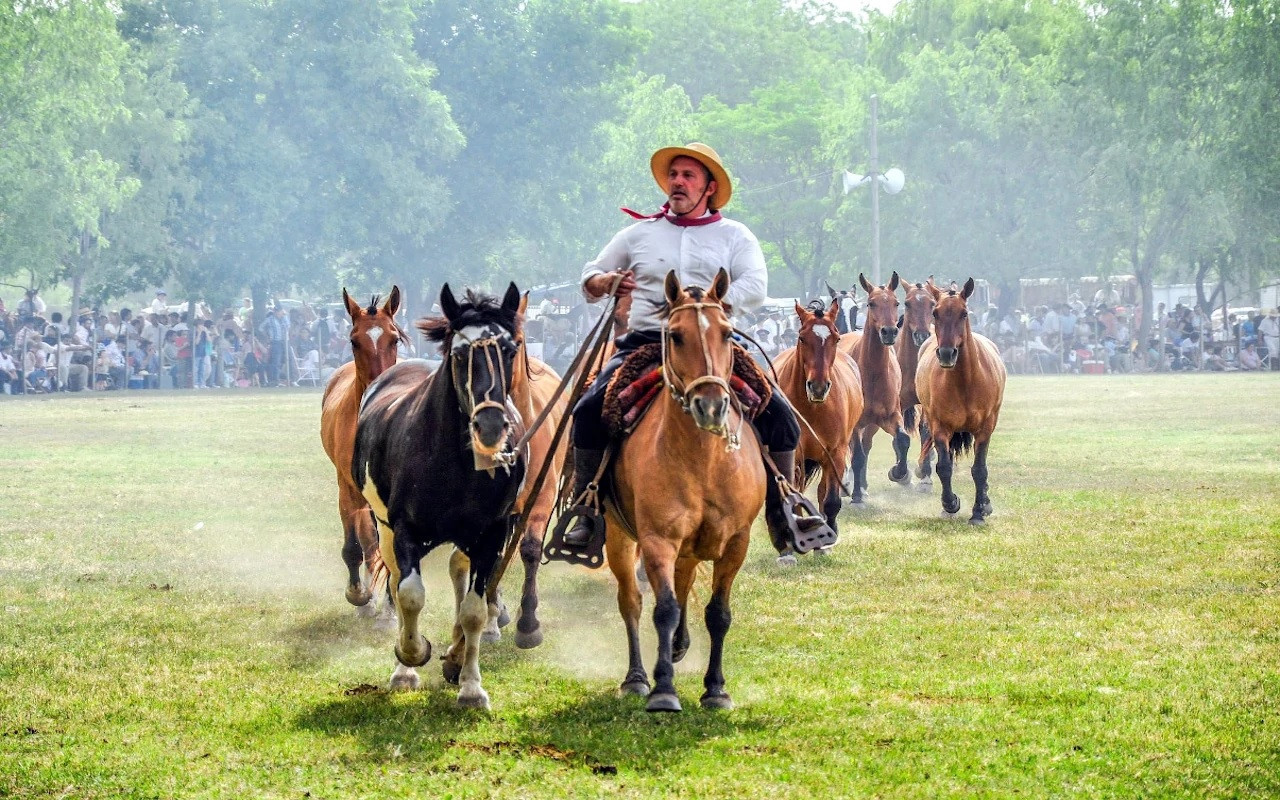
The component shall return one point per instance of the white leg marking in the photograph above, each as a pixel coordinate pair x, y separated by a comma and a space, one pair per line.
405, 679
473, 613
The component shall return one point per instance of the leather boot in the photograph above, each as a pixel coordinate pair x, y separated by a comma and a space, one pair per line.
585, 465
786, 461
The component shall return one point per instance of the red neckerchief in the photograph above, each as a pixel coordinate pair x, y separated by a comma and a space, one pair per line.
682, 222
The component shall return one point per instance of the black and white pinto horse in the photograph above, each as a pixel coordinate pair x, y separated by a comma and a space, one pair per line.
432, 457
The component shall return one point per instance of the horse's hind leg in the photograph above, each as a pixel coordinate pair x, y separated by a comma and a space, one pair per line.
621, 555
459, 578
924, 464
686, 571
981, 502
861, 448
718, 618
359, 540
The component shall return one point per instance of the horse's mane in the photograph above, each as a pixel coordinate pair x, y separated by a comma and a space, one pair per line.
477, 308
373, 305
695, 292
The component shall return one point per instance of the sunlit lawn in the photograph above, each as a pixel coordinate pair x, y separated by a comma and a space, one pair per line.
173, 622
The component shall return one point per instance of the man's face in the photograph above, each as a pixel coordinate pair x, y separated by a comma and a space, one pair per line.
687, 186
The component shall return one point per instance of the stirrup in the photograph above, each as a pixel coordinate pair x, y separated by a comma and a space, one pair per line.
590, 555
811, 536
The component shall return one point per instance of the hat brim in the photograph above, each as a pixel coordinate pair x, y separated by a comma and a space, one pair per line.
661, 160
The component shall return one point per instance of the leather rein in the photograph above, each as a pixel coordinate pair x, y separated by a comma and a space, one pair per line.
681, 391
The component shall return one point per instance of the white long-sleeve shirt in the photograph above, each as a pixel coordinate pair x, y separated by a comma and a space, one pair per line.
653, 247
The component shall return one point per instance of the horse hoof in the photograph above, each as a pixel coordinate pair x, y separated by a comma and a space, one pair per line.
924, 487
663, 702
638, 688
977, 522
679, 653
903, 479
478, 699
717, 702
404, 679
504, 616
491, 636
366, 611
530, 640
861, 505
358, 596
789, 560
412, 661
451, 671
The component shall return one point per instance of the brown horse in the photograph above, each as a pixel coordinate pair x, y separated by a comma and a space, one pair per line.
688, 496
917, 327
374, 337
881, 381
961, 385
825, 388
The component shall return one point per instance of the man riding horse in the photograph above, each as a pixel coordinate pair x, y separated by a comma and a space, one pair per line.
689, 236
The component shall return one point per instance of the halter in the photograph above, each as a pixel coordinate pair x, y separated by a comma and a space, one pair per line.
491, 348
674, 382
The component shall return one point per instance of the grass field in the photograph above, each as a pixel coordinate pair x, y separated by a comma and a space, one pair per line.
173, 623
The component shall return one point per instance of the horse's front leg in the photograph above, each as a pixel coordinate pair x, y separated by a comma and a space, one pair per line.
858, 452
659, 563
829, 493
981, 501
946, 462
528, 627
899, 473
409, 596
621, 555
354, 512
718, 617
473, 613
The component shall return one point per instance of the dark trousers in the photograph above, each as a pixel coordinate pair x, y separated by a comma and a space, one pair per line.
775, 426
275, 363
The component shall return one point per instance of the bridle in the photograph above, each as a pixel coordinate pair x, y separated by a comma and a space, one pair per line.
681, 391
491, 347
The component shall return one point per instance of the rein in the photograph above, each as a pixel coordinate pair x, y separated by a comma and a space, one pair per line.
681, 395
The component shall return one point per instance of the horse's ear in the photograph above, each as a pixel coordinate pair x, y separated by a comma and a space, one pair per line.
835, 296
353, 308
671, 288
866, 285
448, 304
524, 304
720, 286
893, 282
393, 302
511, 300
803, 313
968, 289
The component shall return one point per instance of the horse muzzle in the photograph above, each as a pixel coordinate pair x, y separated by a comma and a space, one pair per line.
489, 427
710, 412
817, 391
948, 356
919, 337
888, 335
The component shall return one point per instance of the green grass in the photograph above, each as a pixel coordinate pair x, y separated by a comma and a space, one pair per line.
172, 623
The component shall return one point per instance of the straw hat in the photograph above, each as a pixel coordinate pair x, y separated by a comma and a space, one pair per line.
660, 163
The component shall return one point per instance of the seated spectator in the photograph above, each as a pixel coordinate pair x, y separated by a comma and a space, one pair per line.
8, 370
1212, 360
33, 365
1249, 359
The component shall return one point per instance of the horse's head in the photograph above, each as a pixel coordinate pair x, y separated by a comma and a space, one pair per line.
816, 349
697, 353
882, 309
951, 323
480, 338
917, 315
374, 334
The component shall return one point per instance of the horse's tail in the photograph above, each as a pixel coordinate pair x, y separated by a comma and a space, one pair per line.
961, 443
910, 421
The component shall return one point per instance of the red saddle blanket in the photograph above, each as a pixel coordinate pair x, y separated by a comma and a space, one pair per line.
637, 382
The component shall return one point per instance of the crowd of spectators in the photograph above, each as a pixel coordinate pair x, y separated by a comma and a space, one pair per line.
161, 346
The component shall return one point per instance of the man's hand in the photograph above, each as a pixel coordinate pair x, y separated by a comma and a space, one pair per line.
598, 285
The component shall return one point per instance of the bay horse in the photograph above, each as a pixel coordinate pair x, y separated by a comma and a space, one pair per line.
872, 349
688, 495
961, 385
917, 327
432, 458
824, 386
374, 338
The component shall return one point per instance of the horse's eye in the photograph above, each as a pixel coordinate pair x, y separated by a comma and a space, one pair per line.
677, 339
935, 313
728, 335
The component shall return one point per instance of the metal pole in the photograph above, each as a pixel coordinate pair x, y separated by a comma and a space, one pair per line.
875, 198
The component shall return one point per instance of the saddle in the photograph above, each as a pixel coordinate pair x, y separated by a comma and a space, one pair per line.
638, 380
